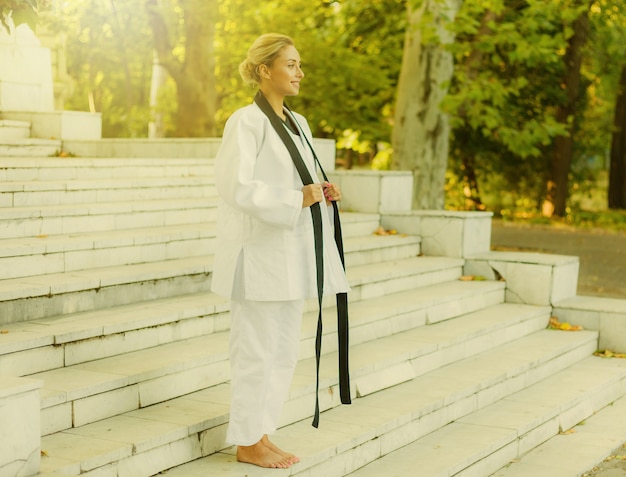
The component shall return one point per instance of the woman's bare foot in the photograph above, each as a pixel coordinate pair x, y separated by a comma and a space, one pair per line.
293, 459
261, 455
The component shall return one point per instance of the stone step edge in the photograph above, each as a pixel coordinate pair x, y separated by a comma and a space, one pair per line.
98, 401
13, 123
62, 329
77, 162
520, 314
70, 171
481, 442
35, 221
89, 185
96, 279
135, 327
102, 240
31, 142
77, 253
70, 211
211, 430
392, 433
104, 208
595, 438
103, 380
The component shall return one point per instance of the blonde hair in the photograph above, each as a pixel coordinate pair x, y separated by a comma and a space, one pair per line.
263, 51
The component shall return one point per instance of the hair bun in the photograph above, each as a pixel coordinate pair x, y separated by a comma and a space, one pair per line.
263, 51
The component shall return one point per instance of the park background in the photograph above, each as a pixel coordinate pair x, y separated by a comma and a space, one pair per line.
514, 108
510, 106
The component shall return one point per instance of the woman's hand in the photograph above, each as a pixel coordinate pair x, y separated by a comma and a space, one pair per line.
313, 193
331, 192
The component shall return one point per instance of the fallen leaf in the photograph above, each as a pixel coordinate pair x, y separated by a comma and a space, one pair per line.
469, 278
569, 431
382, 231
555, 324
4, 332
44, 453
42, 236
607, 353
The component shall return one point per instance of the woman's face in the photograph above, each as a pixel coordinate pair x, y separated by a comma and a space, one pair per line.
283, 77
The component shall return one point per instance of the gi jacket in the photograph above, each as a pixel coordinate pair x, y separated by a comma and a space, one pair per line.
260, 215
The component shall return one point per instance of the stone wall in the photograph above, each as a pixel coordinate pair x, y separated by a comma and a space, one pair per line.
25, 71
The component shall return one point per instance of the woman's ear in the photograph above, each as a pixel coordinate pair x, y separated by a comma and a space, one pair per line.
264, 72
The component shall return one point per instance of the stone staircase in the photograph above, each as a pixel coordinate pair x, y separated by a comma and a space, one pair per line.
117, 351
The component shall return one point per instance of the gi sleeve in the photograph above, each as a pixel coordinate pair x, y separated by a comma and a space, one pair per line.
236, 184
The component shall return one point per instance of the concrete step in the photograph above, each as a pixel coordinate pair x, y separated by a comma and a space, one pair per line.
30, 298
45, 220
355, 224
24, 169
481, 442
148, 440
49, 343
24, 257
579, 449
43, 255
43, 193
29, 147
10, 129
76, 395
38, 220
371, 248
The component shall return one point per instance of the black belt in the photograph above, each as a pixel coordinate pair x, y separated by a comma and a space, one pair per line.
342, 298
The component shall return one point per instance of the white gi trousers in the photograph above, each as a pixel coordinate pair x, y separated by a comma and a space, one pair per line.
264, 348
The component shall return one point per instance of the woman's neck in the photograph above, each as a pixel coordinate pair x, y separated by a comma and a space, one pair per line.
276, 102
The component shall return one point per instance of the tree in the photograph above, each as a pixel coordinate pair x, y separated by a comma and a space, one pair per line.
608, 65
557, 185
617, 174
421, 129
186, 50
507, 92
109, 49
350, 52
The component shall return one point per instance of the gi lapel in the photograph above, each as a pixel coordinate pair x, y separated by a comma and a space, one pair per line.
342, 298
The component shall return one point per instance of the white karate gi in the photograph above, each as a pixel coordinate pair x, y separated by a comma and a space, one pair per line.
265, 261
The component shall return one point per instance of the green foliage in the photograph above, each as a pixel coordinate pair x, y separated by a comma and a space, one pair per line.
109, 51
21, 11
351, 53
506, 88
502, 99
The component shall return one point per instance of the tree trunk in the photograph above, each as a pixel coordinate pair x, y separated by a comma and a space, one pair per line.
617, 172
159, 77
121, 51
195, 74
471, 190
421, 130
557, 185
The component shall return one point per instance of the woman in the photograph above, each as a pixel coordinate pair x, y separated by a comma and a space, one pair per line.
266, 260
